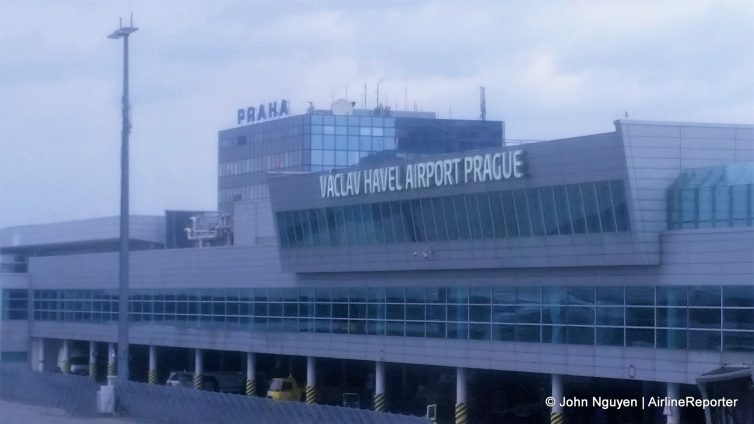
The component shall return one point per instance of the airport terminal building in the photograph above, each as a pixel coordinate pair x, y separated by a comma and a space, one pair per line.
414, 242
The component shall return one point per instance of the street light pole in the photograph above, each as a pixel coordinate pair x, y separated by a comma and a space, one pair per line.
123, 32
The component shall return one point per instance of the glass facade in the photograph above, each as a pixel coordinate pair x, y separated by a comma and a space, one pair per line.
711, 318
247, 153
567, 209
322, 142
340, 141
711, 197
15, 304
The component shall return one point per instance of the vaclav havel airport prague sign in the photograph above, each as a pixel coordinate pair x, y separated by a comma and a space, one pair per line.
253, 114
445, 172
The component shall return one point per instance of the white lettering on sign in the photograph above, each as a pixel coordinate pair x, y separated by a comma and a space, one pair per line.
446, 172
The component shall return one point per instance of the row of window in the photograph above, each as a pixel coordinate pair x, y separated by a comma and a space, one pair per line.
15, 304
715, 206
708, 317
261, 163
567, 209
352, 121
351, 131
352, 143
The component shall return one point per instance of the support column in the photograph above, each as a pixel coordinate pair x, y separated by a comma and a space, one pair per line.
311, 380
556, 412
111, 368
93, 360
198, 369
251, 375
673, 413
379, 386
65, 366
40, 357
462, 414
152, 376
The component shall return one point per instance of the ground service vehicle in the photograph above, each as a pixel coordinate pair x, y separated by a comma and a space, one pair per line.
286, 388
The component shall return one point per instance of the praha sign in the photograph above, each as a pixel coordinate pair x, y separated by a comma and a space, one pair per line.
254, 114
446, 172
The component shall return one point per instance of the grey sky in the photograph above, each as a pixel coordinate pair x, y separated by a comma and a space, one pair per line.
551, 69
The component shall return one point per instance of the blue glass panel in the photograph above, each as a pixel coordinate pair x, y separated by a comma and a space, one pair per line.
441, 230
639, 337
562, 209
450, 218
610, 336
535, 212
704, 340
472, 209
738, 296
509, 210
576, 207
485, 215
462, 218
591, 209
738, 341
522, 213
605, 202
672, 317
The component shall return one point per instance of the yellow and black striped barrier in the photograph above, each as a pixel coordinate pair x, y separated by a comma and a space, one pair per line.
462, 414
66, 366
199, 382
556, 418
311, 394
93, 370
152, 376
251, 387
379, 402
111, 369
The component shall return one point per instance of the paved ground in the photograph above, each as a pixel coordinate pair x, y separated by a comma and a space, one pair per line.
19, 413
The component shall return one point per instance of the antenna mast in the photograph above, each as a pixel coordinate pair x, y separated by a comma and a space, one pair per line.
482, 105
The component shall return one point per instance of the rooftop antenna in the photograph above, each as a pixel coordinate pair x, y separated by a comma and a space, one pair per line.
450, 112
346, 91
405, 98
482, 105
377, 101
626, 114
365, 94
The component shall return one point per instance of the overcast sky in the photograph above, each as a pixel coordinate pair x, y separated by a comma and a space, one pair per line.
552, 69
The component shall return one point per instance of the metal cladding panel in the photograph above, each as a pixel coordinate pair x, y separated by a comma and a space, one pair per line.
657, 152
147, 228
577, 160
176, 268
570, 161
14, 280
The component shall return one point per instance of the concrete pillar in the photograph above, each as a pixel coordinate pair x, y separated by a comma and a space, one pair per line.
379, 386
251, 374
673, 413
556, 411
65, 365
152, 376
111, 367
311, 380
93, 360
40, 355
462, 414
198, 369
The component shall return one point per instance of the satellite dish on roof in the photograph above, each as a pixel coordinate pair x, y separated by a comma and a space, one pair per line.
342, 107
